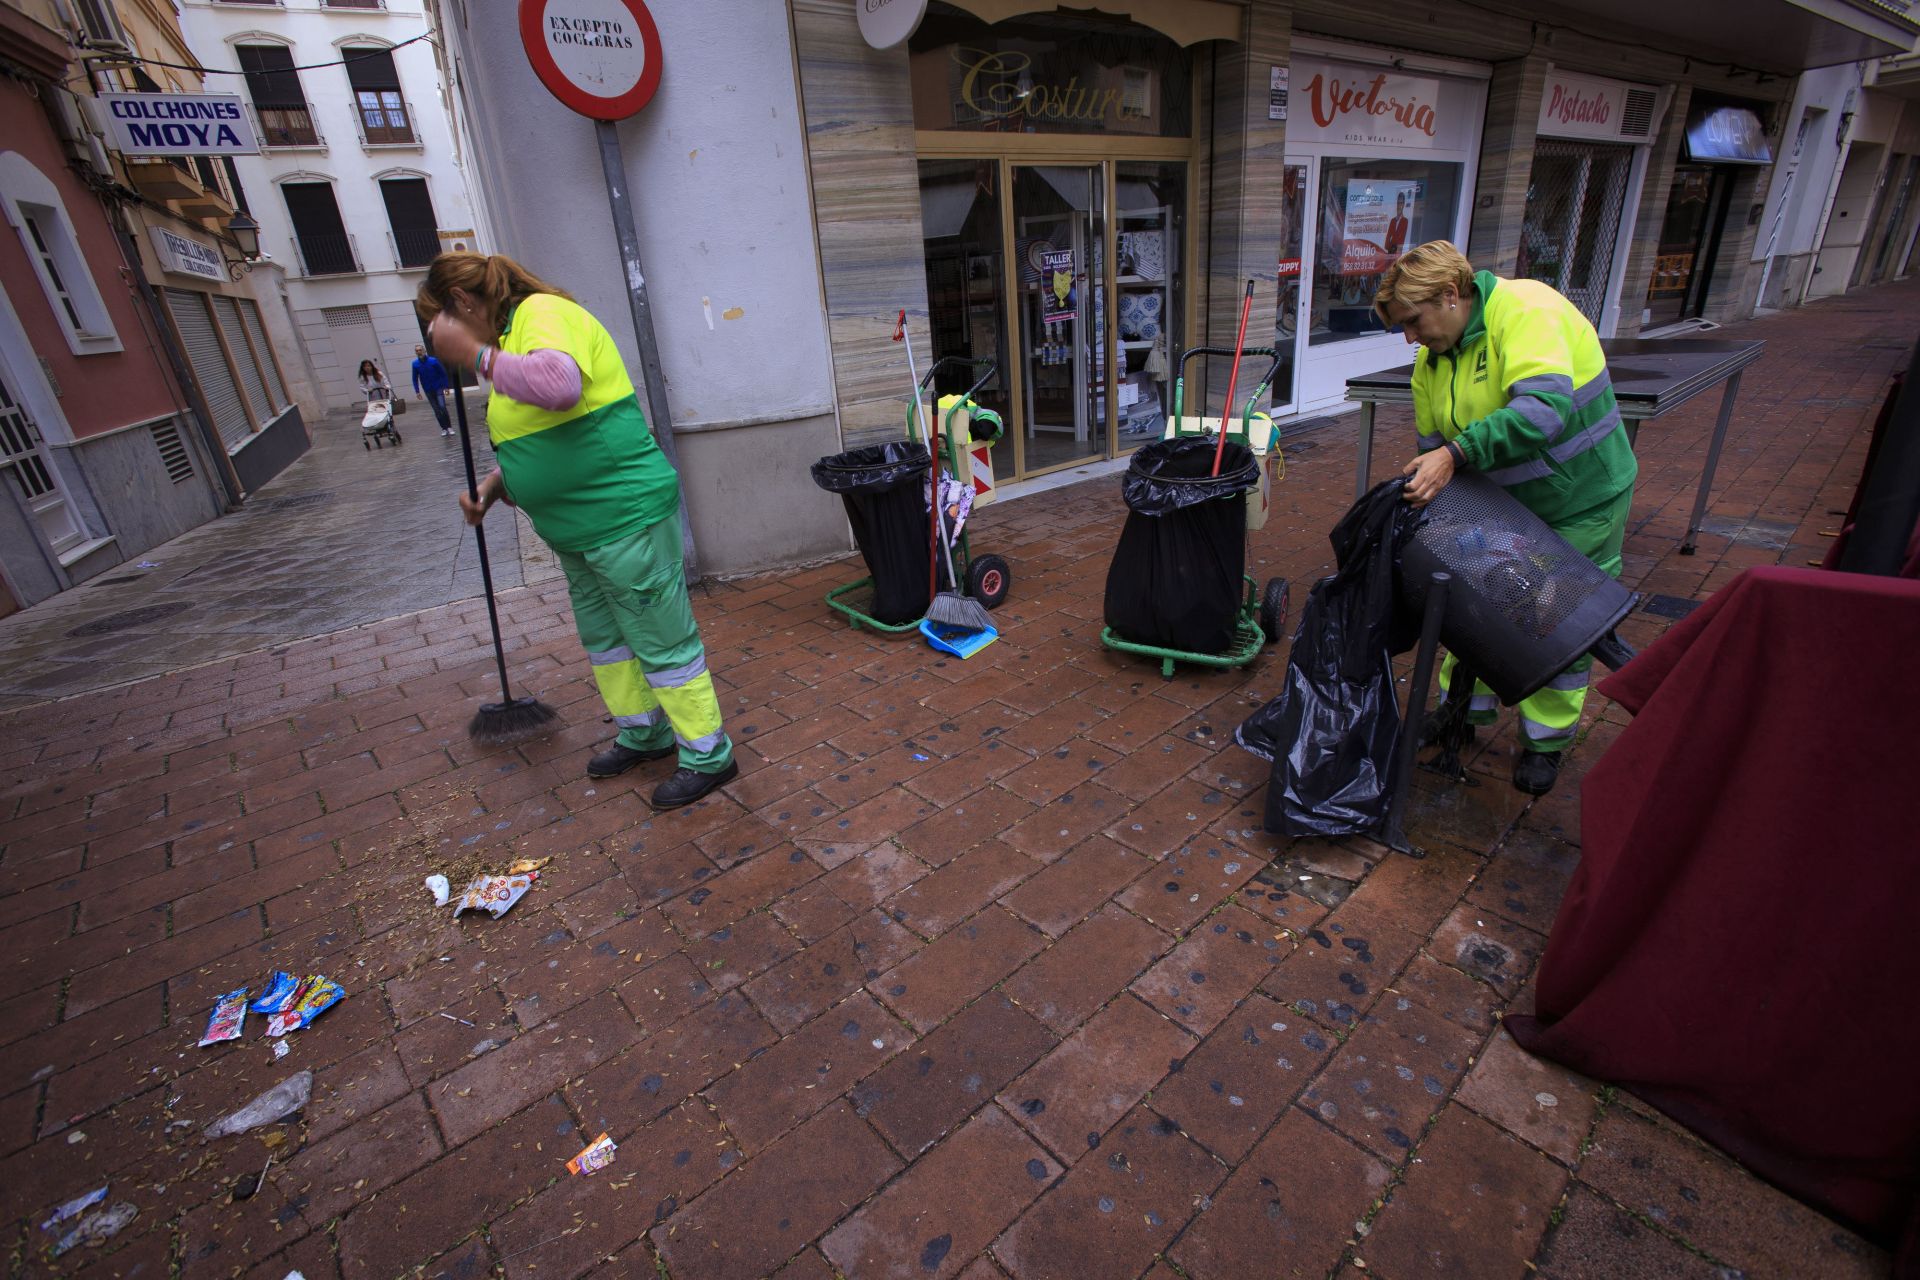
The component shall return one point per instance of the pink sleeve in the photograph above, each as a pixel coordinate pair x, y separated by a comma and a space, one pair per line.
546, 379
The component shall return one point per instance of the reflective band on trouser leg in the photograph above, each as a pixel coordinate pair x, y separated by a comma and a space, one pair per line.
1549, 718
1484, 708
646, 582
616, 671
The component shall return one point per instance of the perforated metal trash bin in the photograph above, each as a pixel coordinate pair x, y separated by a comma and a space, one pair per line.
1524, 604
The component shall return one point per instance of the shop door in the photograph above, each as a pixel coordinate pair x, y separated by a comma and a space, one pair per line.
1059, 224
1575, 198
1289, 309
23, 457
1689, 235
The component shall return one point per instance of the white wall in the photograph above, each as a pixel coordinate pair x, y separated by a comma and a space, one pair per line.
1804, 180
717, 166
315, 35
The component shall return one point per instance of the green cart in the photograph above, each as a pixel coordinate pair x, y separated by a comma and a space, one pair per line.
1262, 616
986, 578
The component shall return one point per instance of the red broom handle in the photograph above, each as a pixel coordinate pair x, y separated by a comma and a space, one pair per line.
1233, 376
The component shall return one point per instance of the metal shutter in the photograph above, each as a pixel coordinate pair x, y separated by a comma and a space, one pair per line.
250, 379
195, 323
250, 312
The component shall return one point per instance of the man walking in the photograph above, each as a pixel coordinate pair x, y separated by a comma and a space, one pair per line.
430, 380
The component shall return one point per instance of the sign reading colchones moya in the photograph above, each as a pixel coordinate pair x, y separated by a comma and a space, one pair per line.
177, 124
599, 57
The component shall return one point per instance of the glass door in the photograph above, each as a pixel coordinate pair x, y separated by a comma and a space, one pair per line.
966, 294
1060, 234
1287, 310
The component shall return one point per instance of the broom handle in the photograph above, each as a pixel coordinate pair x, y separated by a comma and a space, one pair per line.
933, 462
480, 534
1233, 376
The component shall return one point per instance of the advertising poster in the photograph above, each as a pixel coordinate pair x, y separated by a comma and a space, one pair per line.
1378, 217
1058, 300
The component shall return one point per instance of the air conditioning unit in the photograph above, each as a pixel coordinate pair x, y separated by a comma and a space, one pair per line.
97, 26
1637, 120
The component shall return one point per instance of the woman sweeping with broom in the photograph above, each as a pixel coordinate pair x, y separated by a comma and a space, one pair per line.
577, 455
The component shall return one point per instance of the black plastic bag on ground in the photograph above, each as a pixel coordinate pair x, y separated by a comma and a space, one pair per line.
1175, 581
884, 488
1332, 731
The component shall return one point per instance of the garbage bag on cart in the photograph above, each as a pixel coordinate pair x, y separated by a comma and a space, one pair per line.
1176, 577
1332, 731
884, 488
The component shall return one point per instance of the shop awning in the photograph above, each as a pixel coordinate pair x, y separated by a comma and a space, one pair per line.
1780, 36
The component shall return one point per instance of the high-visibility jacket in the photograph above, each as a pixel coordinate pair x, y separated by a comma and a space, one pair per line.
1525, 394
590, 474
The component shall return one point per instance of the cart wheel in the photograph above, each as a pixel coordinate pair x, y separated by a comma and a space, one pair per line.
1273, 609
396, 437
365, 445
989, 580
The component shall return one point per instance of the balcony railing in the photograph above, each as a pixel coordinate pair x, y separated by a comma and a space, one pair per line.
328, 255
287, 127
414, 246
384, 118
352, 4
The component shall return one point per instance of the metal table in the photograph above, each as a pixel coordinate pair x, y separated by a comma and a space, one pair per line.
1650, 377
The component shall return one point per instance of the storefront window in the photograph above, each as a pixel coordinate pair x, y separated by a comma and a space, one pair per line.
1064, 72
1370, 212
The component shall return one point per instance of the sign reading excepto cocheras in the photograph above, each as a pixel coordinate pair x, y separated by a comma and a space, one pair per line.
601, 58
177, 124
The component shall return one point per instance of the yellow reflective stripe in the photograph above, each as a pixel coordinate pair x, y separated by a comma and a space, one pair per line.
693, 708
623, 689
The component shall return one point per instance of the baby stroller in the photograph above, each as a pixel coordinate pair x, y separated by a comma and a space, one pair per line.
378, 422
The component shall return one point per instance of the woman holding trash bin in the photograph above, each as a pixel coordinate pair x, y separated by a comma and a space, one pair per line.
577, 456
1512, 382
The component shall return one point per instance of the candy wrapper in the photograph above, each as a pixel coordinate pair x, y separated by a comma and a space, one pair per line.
317, 994
597, 1156
277, 995
229, 1015
493, 894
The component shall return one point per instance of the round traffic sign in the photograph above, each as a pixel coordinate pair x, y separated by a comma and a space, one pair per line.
599, 57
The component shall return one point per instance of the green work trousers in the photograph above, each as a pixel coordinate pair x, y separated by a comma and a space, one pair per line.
631, 607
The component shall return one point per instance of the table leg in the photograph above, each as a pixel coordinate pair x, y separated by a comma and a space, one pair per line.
1366, 450
1727, 398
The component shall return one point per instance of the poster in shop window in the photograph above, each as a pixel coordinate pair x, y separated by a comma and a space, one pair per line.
1059, 300
1379, 215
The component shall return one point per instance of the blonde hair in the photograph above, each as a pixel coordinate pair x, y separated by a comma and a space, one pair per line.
496, 281
1422, 274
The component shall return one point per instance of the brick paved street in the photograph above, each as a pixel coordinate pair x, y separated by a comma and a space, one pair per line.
981, 969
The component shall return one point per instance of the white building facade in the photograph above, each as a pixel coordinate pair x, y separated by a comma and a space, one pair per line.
357, 186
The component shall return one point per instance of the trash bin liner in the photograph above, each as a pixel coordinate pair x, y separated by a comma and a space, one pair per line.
1523, 603
884, 487
1175, 581
1332, 731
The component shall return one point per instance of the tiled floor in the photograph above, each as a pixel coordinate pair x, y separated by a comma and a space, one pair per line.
979, 970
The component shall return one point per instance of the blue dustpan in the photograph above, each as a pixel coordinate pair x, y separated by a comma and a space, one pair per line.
958, 641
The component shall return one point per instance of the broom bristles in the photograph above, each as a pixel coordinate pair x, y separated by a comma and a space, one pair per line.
502, 723
950, 610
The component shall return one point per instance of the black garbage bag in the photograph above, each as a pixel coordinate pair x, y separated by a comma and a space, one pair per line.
884, 487
1175, 581
1332, 731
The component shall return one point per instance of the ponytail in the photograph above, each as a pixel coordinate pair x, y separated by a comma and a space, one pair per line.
496, 281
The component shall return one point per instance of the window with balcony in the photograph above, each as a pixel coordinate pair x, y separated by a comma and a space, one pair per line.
279, 101
32, 205
416, 234
384, 119
352, 4
325, 247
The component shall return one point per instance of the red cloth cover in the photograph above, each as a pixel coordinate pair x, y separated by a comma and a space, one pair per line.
1741, 943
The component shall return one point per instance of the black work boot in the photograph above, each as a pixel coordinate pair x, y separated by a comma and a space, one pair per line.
687, 785
1536, 771
617, 759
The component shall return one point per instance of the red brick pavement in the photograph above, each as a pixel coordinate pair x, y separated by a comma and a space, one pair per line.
980, 970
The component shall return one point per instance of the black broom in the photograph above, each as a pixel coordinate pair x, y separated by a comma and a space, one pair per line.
511, 719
